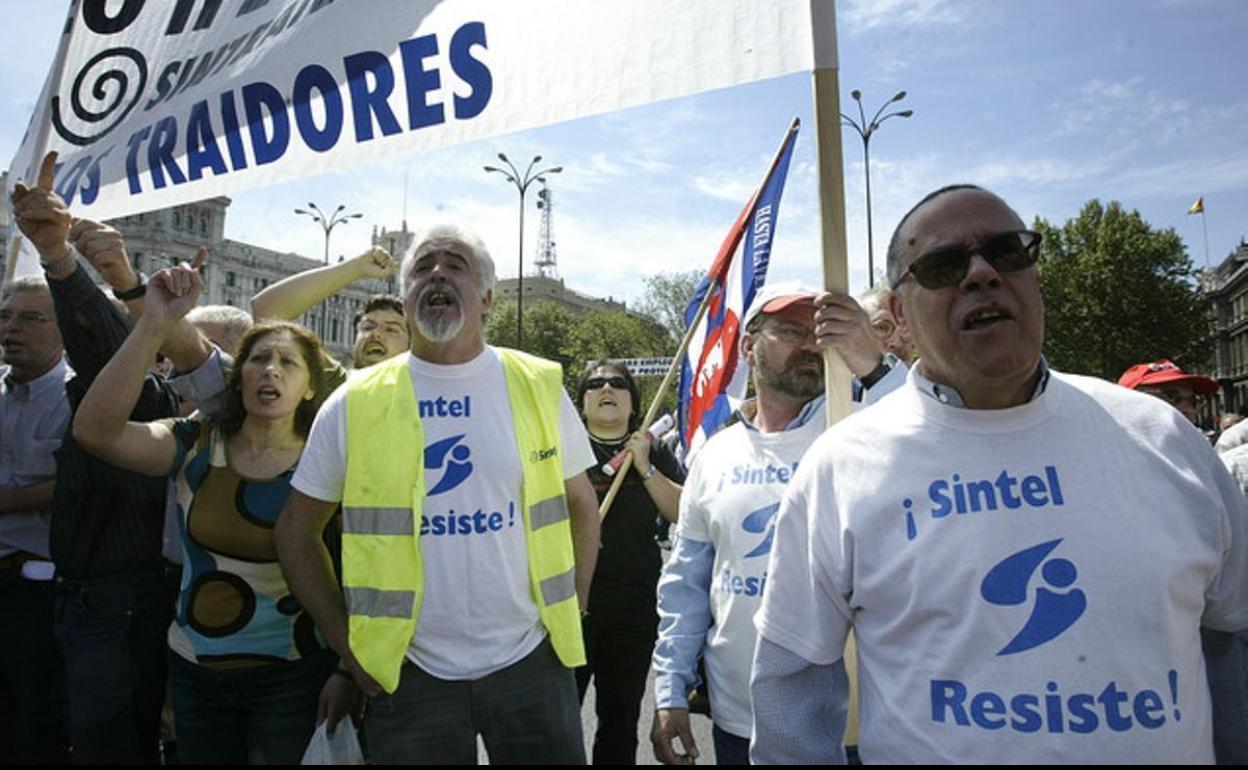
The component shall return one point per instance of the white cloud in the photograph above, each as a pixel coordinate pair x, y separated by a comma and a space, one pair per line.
864, 15
1131, 111
726, 186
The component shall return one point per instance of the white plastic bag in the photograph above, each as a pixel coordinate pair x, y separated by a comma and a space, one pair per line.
341, 748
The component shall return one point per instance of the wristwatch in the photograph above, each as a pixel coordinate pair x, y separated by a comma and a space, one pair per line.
134, 292
875, 375
649, 472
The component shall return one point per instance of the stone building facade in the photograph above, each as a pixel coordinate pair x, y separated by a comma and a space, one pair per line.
1226, 287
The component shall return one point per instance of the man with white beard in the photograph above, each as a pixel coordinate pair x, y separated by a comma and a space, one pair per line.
470, 531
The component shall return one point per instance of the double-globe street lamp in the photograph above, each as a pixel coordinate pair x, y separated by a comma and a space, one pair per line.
327, 223
865, 129
522, 182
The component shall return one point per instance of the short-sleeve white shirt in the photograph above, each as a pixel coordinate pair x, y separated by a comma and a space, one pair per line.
477, 614
1024, 585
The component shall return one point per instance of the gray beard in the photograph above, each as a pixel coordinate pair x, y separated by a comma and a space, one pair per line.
440, 328
797, 383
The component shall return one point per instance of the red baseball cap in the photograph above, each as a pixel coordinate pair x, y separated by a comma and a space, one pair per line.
1165, 372
774, 297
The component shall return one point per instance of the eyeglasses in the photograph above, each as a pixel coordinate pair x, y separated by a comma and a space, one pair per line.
615, 381
1176, 397
948, 266
26, 317
792, 334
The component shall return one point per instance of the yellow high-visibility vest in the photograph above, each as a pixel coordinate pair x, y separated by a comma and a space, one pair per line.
384, 492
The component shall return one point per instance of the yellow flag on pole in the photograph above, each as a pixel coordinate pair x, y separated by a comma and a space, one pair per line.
1198, 207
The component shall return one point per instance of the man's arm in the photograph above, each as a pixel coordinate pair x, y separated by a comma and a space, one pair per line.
684, 607
583, 512
842, 324
91, 328
309, 572
291, 297
35, 497
800, 708
105, 248
100, 424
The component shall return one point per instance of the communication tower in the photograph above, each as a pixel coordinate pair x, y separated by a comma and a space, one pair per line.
545, 261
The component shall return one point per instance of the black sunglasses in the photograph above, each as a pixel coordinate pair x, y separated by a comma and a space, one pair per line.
615, 381
947, 266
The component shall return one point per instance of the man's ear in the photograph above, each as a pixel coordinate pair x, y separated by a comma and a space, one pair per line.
898, 310
747, 348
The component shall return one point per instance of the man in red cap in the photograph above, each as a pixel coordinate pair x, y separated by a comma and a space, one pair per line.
715, 579
1167, 381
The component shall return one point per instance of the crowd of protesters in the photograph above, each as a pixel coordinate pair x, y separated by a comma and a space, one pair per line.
200, 507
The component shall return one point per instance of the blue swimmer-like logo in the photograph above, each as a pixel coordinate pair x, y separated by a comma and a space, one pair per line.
455, 456
762, 520
1006, 584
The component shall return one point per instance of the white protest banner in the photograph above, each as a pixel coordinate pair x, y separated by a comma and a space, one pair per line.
152, 104
643, 367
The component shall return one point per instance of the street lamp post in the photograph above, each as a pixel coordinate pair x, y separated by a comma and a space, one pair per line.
327, 223
522, 182
865, 130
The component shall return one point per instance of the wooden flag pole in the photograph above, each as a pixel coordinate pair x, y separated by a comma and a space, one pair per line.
652, 412
838, 379
657, 401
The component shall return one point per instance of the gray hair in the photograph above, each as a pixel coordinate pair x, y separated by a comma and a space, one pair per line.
234, 321
24, 283
452, 237
876, 297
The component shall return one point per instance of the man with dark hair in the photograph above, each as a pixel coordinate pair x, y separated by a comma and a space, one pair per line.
381, 332
1025, 557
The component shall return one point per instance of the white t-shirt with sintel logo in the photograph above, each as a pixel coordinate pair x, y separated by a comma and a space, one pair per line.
1024, 585
477, 614
730, 500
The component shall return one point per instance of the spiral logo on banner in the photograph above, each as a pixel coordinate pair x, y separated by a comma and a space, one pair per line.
107, 88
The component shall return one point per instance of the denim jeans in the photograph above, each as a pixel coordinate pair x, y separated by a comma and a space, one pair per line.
1226, 666
111, 633
618, 646
526, 714
33, 726
258, 715
730, 749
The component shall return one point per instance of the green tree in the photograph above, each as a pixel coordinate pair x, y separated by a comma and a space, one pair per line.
667, 296
557, 333
1118, 292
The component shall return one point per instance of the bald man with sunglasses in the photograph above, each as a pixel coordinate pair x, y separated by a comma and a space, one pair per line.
1025, 557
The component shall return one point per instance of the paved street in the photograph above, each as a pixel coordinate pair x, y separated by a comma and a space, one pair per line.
645, 754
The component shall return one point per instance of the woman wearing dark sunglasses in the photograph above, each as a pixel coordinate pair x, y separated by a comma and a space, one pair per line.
622, 622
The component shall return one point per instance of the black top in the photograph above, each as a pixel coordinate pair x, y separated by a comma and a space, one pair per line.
629, 560
104, 520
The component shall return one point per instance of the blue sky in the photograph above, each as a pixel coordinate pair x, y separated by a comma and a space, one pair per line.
1049, 104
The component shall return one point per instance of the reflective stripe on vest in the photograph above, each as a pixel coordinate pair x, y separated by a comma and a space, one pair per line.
383, 496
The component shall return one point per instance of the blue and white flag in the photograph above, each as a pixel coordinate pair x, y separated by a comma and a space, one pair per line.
712, 381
